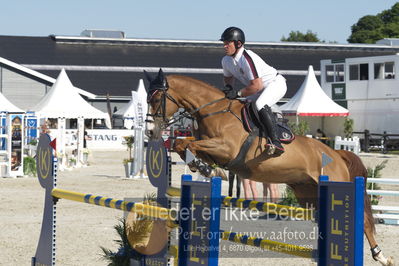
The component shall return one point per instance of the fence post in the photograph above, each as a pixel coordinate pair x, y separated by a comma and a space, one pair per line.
366, 140
384, 142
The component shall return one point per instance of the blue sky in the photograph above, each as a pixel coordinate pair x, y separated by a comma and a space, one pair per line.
200, 20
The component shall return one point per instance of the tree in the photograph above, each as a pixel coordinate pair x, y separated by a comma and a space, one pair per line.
370, 29
297, 36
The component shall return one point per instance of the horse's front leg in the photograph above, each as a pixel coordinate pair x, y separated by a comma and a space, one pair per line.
180, 146
211, 152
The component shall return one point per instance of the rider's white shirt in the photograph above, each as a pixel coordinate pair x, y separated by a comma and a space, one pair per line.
246, 66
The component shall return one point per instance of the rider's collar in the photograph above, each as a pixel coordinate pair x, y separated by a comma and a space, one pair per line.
238, 54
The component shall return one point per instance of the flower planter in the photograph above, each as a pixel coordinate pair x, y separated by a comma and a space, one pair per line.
85, 158
128, 169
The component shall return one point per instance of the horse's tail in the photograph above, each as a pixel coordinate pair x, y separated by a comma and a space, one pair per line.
357, 168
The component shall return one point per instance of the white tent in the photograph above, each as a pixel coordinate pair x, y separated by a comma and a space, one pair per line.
134, 112
7, 106
63, 100
311, 100
129, 111
142, 104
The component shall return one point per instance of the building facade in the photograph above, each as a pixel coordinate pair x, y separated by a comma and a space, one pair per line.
101, 66
368, 87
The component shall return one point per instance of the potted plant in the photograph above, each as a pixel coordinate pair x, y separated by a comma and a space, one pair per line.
348, 127
32, 147
125, 255
72, 162
127, 162
29, 166
85, 155
300, 129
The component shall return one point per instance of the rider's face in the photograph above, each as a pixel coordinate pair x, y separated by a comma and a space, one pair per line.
229, 48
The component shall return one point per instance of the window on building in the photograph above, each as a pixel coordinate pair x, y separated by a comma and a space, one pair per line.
389, 70
378, 71
329, 73
335, 73
364, 71
353, 72
384, 70
339, 73
359, 72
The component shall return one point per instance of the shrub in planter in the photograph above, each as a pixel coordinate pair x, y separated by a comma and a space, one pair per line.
29, 166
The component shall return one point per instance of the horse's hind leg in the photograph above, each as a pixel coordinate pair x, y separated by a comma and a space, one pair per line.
306, 194
369, 230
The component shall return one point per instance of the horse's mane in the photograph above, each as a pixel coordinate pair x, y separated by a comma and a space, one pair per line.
180, 80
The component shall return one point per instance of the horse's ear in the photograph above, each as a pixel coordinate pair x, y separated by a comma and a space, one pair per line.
147, 76
160, 74
161, 77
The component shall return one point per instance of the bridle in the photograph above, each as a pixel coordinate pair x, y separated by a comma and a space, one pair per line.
190, 114
161, 108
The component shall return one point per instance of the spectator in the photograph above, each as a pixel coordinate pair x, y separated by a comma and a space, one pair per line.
231, 184
321, 136
274, 192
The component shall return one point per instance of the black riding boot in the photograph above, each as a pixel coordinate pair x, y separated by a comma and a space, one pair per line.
269, 126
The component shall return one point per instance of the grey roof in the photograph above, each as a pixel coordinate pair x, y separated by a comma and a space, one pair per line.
86, 59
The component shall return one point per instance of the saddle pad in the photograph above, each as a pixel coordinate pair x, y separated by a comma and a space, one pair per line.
284, 132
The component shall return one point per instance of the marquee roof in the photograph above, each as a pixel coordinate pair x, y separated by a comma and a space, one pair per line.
63, 100
130, 111
311, 100
7, 106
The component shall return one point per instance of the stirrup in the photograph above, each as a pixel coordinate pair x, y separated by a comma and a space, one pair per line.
272, 148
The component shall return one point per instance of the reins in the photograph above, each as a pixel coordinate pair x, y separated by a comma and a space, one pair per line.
228, 110
160, 112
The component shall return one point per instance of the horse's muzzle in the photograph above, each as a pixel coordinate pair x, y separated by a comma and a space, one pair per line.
152, 132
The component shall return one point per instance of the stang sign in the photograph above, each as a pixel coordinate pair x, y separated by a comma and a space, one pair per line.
107, 139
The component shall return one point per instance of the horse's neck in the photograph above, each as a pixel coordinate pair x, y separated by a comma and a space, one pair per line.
193, 96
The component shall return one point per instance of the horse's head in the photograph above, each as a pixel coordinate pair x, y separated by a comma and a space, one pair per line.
162, 105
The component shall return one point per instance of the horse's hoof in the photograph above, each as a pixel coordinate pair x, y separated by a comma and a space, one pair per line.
385, 261
219, 172
390, 261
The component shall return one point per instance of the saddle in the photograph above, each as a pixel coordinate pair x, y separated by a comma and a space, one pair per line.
251, 122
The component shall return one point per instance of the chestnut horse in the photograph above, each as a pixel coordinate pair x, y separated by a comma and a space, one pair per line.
221, 135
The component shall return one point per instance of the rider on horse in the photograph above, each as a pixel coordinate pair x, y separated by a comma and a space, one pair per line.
263, 84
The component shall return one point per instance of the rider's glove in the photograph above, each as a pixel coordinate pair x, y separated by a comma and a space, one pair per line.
232, 94
227, 88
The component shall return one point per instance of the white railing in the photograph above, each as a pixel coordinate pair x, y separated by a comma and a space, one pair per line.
349, 144
389, 213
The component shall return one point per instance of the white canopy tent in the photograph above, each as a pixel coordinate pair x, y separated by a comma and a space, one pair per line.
311, 101
142, 104
64, 104
7, 106
134, 112
129, 111
63, 100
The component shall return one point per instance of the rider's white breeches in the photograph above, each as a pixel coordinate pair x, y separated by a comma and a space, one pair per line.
272, 93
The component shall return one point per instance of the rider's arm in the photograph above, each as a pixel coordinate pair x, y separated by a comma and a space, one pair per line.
254, 86
228, 80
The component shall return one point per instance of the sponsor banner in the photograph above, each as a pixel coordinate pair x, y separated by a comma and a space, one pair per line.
112, 139
107, 139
